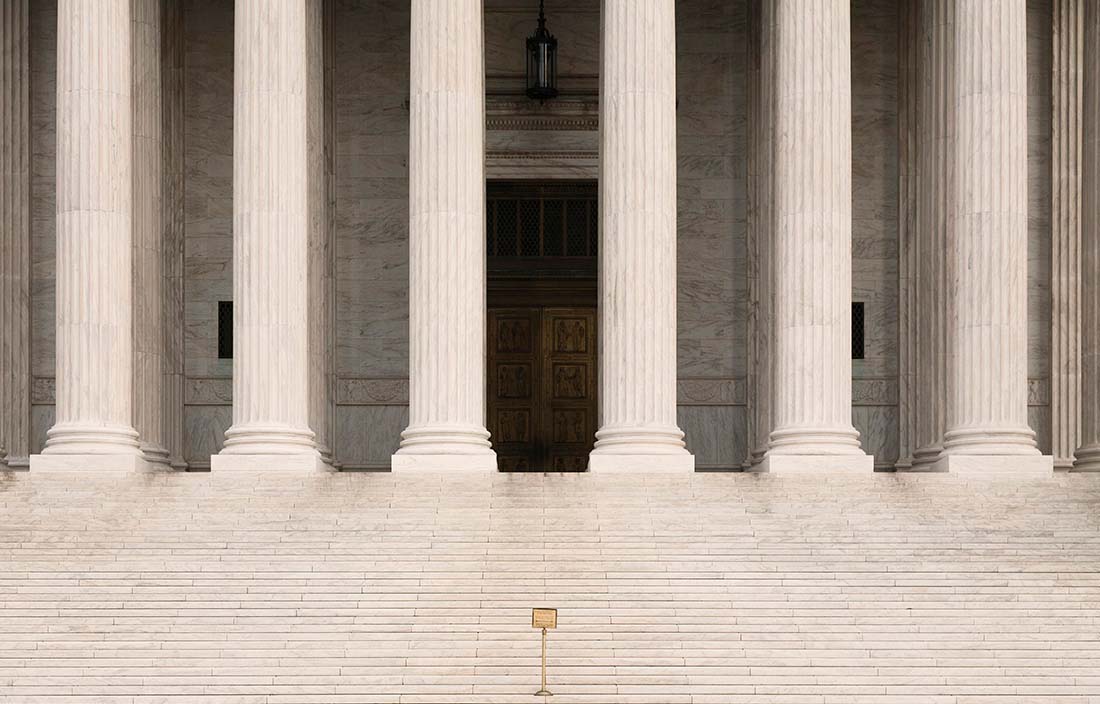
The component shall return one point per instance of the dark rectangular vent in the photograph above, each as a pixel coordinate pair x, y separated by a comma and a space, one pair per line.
225, 329
857, 331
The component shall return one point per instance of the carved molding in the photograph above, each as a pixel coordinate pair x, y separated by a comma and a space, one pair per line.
519, 7
542, 155
43, 390
1038, 392
542, 123
875, 392
372, 392
710, 392
207, 391
507, 108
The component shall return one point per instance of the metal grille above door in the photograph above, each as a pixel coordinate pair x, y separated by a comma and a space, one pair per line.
546, 220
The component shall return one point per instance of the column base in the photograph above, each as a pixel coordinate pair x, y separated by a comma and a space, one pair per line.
755, 458
327, 455
258, 440
17, 463
444, 448
925, 457
995, 466
301, 462
814, 441
639, 440
817, 464
448, 440
615, 463
154, 454
82, 440
1087, 459
990, 442
415, 462
98, 464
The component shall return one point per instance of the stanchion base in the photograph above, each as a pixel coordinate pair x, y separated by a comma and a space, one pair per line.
544, 693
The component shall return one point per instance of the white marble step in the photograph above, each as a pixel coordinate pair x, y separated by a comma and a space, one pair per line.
701, 588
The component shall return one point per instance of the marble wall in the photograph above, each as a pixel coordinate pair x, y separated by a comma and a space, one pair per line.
875, 223
525, 140
43, 57
208, 222
372, 211
1039, 106
712, 286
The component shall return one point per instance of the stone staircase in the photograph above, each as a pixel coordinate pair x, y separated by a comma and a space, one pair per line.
724, 588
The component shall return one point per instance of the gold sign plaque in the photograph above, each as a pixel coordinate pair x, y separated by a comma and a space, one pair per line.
544, 618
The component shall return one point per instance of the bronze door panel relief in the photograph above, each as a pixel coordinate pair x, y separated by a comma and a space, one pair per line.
513, 390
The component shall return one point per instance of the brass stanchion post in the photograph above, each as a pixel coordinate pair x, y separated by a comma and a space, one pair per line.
544, 692
544, 618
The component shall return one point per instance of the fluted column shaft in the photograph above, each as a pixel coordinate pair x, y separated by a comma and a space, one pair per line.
933, 193
446, 240
327, 439
150, 284
760, 225
638, 246
909, 40
1065, 239
1088, 455
15, 235
271, 224
813, 231
94, 208
320, 342
173, 224
987, 410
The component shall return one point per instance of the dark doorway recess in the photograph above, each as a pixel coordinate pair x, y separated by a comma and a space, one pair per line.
542, 358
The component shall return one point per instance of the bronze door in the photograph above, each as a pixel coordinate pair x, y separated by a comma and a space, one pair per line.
513, 388
542, 387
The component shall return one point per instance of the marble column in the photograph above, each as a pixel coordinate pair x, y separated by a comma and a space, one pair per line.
1065, 259
1088, 455
446, 241
930, 233
149, 283
15, 234
95, 368
320, 246
172, 47
638, 428
813, 241
909, 37
271, 239
987, 260
328, 440
760, 230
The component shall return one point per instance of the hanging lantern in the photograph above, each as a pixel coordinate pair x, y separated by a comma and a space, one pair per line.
542, 62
